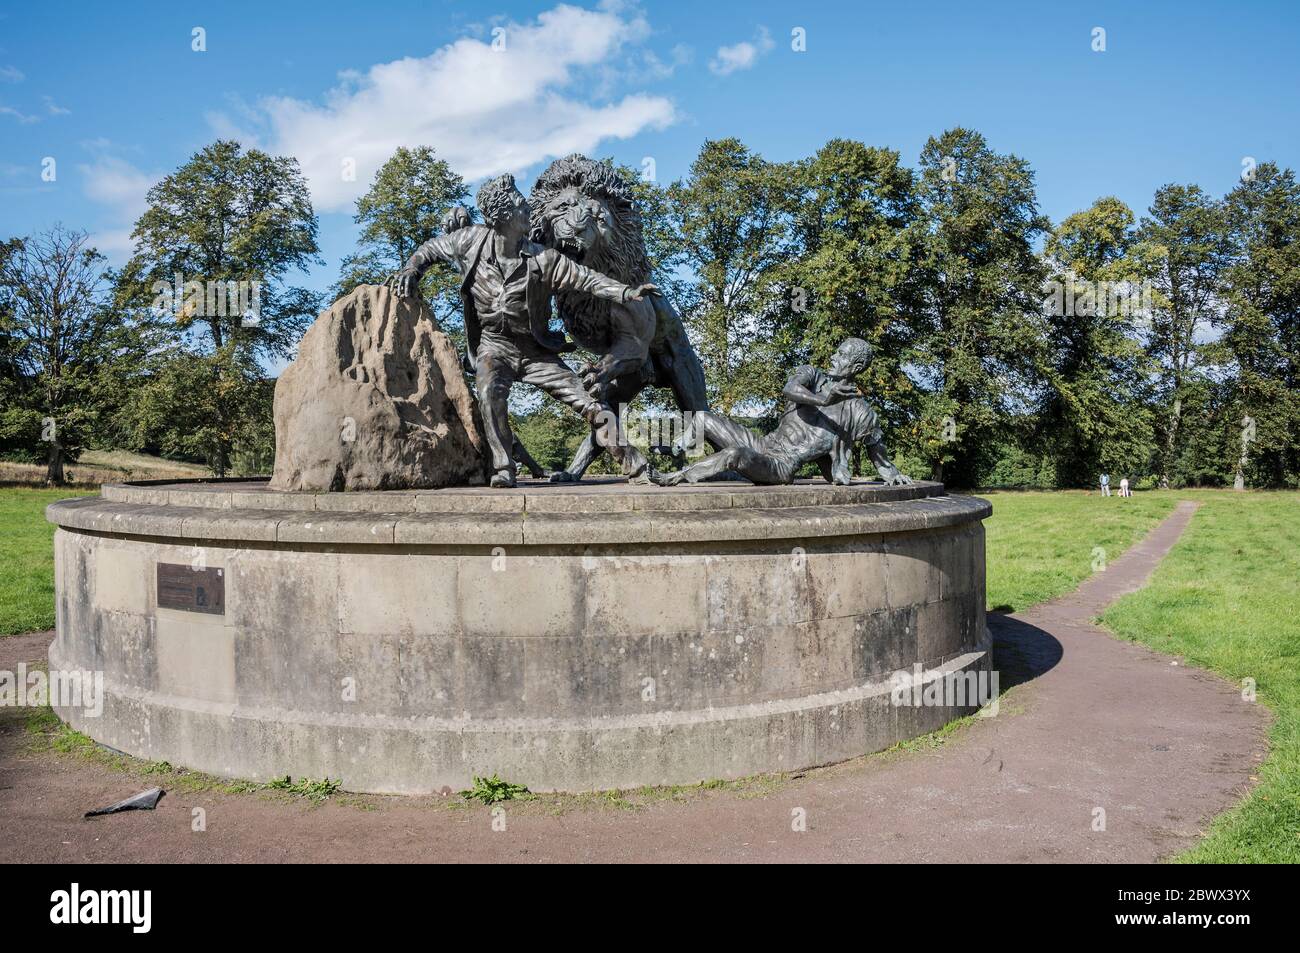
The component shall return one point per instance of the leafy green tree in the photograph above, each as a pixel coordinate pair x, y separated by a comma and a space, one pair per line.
195, 406
979, 351
233, 222
404, 207
851, 270
10, 347
732, 219
1204, 455
658, 226
58, 338
550, 432
1096, 418
1261, 336
1184, 248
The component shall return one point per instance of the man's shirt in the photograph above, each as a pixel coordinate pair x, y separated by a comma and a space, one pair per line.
820, 383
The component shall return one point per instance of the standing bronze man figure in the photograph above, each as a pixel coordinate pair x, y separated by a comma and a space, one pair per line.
824, 418
507, 284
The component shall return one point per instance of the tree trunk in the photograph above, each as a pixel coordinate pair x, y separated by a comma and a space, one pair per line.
1171, 441
54, 464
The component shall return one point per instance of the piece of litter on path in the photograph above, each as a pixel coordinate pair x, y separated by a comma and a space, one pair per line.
144, 801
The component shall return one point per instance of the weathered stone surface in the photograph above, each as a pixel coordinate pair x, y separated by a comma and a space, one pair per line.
599, 495
568, 649
375, 401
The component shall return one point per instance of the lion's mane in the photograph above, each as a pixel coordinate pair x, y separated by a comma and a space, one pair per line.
622, 258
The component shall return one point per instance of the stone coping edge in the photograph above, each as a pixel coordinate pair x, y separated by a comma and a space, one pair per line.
199, 523
594, 497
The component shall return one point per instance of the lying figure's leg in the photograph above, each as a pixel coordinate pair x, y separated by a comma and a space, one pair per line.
716, 431
753, 465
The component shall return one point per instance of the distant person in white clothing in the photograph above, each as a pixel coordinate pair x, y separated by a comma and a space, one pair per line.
1123, 487
1105, 484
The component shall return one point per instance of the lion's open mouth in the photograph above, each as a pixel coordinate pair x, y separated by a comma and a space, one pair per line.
573, 248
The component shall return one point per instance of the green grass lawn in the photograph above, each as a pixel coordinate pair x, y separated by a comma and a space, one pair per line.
1226, 599
27, 559
1042, 545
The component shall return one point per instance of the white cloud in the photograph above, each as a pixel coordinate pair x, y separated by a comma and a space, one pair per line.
119, 186
117, 183
484, 110
22, 117
53, 108
741, 55
657, 68
115, 244
11, 74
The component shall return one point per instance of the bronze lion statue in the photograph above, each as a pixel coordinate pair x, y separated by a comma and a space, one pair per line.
587, 211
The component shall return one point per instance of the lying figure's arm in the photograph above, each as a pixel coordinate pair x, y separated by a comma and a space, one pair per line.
801, 389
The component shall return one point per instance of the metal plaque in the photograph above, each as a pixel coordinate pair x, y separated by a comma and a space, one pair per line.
190, 589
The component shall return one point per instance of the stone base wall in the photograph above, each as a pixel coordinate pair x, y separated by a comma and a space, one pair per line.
410, 668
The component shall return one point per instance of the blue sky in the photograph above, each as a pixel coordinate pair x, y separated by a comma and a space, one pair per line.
116, 95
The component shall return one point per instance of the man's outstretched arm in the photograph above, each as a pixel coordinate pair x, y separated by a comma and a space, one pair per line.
449, 248
564, 274
631, 342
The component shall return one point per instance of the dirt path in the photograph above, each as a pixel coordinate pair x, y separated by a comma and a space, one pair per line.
1094, 723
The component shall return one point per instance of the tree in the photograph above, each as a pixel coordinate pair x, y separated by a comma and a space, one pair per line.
851, 270
980, 332
732, 219
11, 378
1261, 337
196, 406
57, 337
1096, 418
404, 207
1185, 249
659, 227
213, 248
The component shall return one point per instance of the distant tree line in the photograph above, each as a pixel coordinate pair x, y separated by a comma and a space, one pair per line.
167, 355
1009, 351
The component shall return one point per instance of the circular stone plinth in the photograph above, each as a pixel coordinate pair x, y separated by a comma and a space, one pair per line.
567, 637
